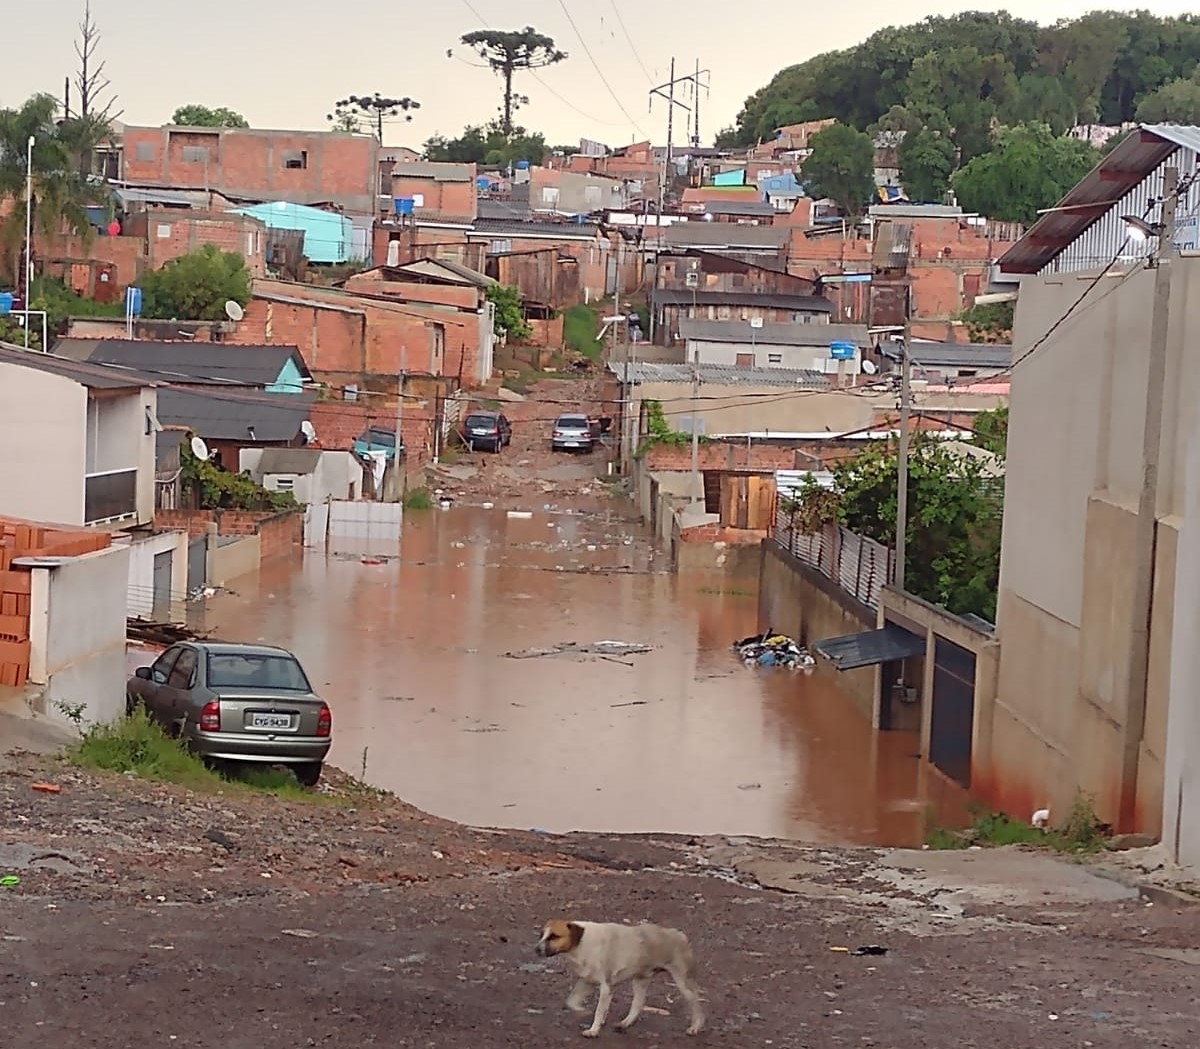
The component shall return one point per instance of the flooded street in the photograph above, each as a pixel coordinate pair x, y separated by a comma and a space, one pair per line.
413, 655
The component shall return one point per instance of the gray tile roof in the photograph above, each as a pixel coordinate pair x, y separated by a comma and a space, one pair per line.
215, 362
724, 235
516, 227
93, 376
289, 460
773, 334
961, 355
230, 416
768, 300
720, 375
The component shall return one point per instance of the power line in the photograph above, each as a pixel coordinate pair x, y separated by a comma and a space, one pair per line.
632, 45
596, 65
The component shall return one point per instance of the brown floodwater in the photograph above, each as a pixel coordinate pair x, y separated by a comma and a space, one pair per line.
411, 654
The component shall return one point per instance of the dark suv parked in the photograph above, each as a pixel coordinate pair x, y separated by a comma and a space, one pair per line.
490, 430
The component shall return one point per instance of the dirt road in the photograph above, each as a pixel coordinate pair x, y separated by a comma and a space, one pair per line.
146, 916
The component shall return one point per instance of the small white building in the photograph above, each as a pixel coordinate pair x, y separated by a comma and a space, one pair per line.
831, 349
311, 475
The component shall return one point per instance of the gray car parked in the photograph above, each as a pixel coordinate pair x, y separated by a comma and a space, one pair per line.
572, 433
239, 703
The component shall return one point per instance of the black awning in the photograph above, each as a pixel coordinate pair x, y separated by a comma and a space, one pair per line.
888, 645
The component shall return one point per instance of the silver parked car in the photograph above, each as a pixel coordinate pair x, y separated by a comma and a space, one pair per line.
572, 433
240, 703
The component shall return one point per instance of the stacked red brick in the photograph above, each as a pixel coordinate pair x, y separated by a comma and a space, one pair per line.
26, 539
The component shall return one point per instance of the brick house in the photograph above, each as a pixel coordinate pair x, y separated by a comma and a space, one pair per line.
252, 165
436, 191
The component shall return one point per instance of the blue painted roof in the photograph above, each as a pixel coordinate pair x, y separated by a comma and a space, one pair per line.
785, 183
328, 236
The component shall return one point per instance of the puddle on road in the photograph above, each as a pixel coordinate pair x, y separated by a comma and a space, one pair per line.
682, 739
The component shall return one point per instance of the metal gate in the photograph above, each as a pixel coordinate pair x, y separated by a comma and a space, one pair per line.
197, 563
160, 610
952, 719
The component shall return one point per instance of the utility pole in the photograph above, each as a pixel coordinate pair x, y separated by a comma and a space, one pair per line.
1147, 518
696, 101
902, 473
697, 490
401, 477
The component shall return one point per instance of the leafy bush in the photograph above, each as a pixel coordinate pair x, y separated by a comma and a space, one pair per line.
220, 489
196, 286
658, 430
509, 318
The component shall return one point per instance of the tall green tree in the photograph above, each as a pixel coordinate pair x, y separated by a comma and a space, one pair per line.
955, 509
1177, 102
507, 53
62, 188
196, 286
841, 167
927, 159
487, 145
202, 116
1029, 169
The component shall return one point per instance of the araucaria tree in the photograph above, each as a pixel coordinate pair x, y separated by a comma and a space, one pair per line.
350, 113
507, 52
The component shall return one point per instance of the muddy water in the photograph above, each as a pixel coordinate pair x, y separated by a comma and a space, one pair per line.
411, 652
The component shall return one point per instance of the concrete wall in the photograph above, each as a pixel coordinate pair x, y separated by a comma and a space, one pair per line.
77, 633
338, 475
794, 599
142, 551
232, 558
1066, 571
1181, 773
42, 445
815, 356
732, 409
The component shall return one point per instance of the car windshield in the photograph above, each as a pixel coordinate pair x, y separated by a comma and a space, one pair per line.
481, 422
256, 670
572, 422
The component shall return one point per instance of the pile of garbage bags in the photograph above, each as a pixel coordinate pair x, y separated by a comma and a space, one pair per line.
773, 650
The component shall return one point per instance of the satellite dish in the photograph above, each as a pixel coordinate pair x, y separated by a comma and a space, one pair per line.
309, 431
233, 311
200, 449
869, 366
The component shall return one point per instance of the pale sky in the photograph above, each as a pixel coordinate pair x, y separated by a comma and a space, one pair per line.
283, 63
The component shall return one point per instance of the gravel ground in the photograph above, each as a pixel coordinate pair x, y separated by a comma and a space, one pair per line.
147, 916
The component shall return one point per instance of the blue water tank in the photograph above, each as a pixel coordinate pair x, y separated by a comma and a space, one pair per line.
842, 351
403, 205
6, 303
522, 165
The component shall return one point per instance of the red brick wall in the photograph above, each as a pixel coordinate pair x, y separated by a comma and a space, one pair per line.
190, 231
372, 283
279, 531
127, 254
448, 200
338, 424
250, 162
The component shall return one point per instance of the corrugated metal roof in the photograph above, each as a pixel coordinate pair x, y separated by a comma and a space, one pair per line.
430, 267
194, 361
1101, 195
437, 171
727, 235
517, 228
182, 198
93, 376
772, 334
720, 375
949, 354
739, 207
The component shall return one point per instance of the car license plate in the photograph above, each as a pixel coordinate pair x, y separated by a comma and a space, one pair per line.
270, 721
480, 433
570, 444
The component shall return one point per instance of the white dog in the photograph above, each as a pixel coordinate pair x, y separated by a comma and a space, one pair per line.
606, 954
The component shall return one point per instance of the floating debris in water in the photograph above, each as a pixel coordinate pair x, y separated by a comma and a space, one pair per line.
773, 650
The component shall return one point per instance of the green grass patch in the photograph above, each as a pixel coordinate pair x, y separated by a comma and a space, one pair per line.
138, 745
580, 326
1081, 832
418, 499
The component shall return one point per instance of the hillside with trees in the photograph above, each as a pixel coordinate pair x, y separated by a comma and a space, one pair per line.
951, 86
976, 68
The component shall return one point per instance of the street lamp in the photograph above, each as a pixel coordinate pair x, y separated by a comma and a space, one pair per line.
28, 234
1139, 229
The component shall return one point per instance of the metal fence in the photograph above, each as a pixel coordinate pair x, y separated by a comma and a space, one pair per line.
860, 566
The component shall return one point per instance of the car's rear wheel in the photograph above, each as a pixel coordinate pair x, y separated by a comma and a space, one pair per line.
308, 773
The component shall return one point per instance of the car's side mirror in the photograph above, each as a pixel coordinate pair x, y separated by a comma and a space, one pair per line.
143, 673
